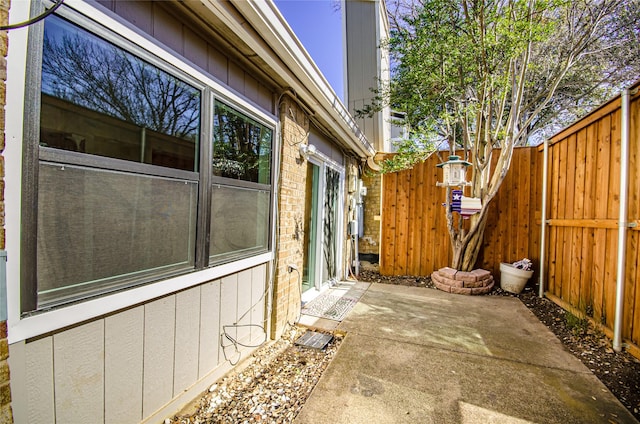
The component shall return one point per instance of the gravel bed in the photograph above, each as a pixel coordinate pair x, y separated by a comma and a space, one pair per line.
270, 387
273, 384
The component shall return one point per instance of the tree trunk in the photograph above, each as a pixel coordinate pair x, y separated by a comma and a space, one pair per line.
466, 251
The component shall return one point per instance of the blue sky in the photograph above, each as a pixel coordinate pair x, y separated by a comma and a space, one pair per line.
319, 27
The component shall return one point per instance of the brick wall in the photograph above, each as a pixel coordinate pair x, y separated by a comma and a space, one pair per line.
6, 415
291, 204
369, 243
4, 20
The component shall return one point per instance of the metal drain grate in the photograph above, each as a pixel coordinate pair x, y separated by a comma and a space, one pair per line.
314, 340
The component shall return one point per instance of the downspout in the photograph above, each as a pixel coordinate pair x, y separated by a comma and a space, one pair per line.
543, 215
622, 220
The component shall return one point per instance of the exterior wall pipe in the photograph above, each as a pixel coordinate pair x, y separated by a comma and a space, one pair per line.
622, 220
543, 218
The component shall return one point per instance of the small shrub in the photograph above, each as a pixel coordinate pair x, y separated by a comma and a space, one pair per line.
576, 324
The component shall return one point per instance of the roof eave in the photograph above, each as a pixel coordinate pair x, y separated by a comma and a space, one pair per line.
285, 55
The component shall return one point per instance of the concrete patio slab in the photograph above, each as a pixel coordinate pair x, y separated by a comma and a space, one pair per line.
424, 356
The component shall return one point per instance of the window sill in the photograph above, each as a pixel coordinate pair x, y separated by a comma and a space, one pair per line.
48, 321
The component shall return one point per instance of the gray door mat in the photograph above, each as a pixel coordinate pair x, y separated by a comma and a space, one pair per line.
330, 306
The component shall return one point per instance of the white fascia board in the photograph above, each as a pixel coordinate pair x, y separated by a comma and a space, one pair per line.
385, 32
308, 81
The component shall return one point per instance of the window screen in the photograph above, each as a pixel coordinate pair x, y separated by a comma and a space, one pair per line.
101, 229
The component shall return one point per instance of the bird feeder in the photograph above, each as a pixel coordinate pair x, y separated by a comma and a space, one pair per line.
454, 172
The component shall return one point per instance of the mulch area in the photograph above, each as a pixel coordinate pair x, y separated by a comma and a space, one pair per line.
620, 372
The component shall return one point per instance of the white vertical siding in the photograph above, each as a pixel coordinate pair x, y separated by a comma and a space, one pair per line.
363, 32
159, 339
32, 395
243, 312
78, 364
136, 364
258, 302
187, 344
209, 327
123, 364
228, 315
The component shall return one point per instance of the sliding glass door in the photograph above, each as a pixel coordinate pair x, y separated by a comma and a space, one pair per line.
311, 227
330, 225
323, 228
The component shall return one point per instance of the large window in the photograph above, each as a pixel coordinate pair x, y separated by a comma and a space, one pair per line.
114, 169
101, 223
241, 191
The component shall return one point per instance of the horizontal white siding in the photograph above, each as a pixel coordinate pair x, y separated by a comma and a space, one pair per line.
126, 367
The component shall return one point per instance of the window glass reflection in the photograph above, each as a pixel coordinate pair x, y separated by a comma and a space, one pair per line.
99, 99
241, 147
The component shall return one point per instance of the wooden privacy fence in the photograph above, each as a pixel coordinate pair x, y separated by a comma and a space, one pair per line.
583, 213
415, 240
583, 200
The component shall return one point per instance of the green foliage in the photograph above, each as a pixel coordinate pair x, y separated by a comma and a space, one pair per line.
599, 71
457, 61
580, 324
409, 152
477, 75
577, 325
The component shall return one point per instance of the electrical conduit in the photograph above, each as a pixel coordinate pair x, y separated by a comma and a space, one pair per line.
622, 220
543, 218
